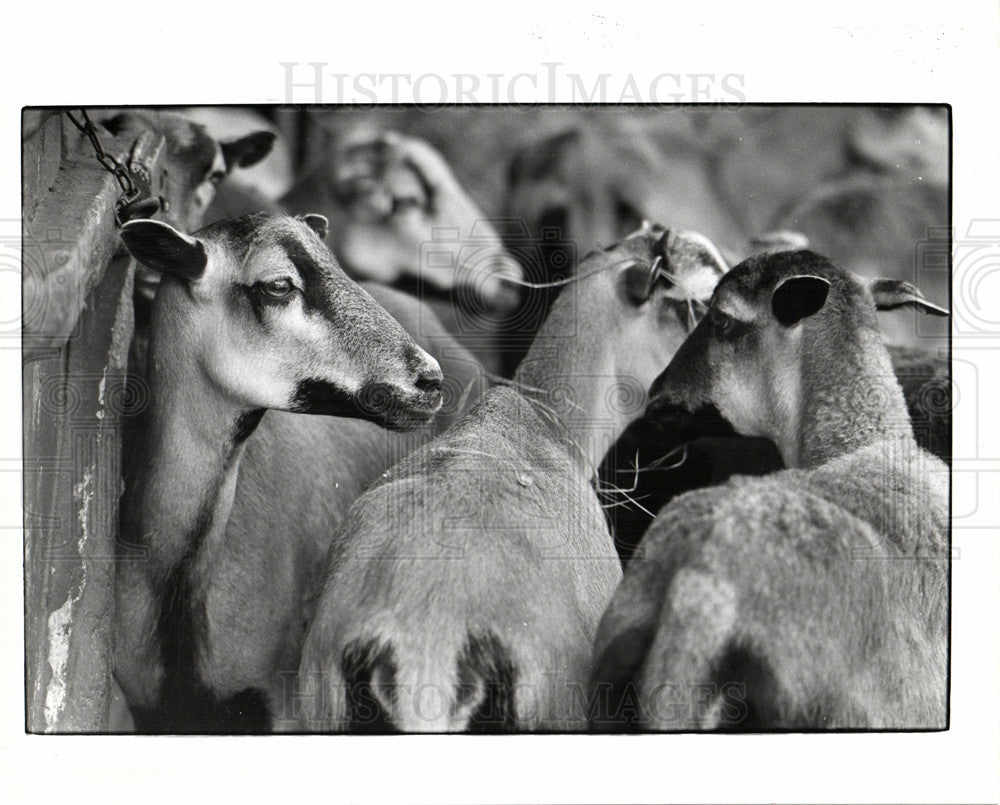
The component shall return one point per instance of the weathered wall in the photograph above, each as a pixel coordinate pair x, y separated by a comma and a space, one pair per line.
77, 325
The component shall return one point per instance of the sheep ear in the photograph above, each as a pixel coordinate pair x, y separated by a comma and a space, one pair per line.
319, 224
248, 150
162, 248
892, 294
798, 297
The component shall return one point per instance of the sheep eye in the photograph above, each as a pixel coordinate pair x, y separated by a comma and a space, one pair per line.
722, 322
276, 288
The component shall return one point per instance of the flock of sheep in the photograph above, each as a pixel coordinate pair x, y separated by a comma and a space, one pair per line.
406, 427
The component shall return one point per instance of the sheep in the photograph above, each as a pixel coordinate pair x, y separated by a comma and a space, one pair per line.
660, 458
195, 165
464, 589
227, 509
196, 162
813, 598
398, 216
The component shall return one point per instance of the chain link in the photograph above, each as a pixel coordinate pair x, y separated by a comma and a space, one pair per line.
123, 175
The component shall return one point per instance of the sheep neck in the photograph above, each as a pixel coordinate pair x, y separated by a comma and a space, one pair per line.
183, 483
850, 396
182, 470
573, 380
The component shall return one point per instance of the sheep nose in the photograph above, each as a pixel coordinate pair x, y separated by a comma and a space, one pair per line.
427, 370
430, 379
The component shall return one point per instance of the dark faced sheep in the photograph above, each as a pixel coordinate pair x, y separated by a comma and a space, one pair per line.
814, 598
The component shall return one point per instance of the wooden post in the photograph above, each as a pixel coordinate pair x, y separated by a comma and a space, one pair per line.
77, 326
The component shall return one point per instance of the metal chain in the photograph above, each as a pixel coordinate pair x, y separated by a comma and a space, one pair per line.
114, 166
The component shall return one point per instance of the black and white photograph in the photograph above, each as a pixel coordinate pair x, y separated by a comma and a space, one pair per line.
633, 427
